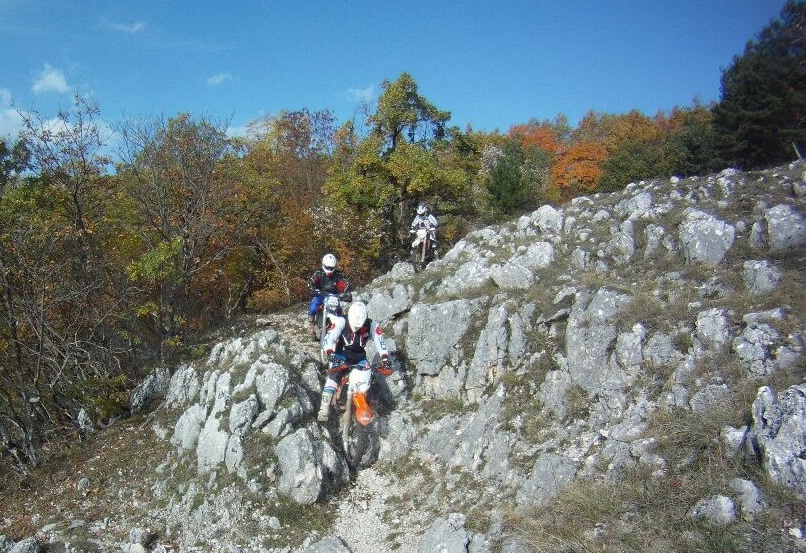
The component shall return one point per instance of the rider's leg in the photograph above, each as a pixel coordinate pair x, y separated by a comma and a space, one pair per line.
316, 301
327, 396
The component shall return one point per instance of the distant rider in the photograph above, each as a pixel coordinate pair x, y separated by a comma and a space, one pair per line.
326, 280
425, 219
345, 345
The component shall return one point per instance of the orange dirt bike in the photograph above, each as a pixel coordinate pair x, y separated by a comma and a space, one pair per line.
353, 398
421, 249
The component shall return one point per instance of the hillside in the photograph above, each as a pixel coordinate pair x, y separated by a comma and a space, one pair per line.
623, 373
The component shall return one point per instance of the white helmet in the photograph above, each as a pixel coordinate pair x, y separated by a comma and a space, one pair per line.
329, 263
357, 315
422, 209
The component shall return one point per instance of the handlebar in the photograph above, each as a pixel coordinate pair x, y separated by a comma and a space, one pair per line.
346, 296
346, 366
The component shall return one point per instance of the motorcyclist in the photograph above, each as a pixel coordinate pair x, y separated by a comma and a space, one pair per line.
425, 219
345, 345
327, 279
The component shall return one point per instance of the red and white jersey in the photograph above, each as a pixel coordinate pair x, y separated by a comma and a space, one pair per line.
341, 339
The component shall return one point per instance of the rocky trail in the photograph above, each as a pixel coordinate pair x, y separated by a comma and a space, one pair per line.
362, 510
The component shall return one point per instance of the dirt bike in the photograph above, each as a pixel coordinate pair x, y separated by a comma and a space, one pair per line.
421, 249
359, 439
331, 306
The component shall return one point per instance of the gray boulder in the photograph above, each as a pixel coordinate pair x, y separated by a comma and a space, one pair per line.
786, 228
704, 238
330, 544
386, 305
537, 256
634, 207
188, 427
309, 467
751, 503
713, 330
434, 331
470, 275
184, 386
550, 474
778, 435
590, 335
446, 535
548, 220
761, 276
754, 348
719, 510
28, 545
512, 275
153, 387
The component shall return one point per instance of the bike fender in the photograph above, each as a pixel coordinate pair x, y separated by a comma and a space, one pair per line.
363, 412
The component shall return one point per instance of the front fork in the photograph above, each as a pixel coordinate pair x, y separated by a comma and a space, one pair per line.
346, 420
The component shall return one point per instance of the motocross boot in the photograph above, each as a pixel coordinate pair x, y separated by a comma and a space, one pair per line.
324, 407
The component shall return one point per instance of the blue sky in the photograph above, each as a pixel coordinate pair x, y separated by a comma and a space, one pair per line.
491, 64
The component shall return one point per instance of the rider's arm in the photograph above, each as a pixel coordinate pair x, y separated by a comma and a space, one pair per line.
315, 281
333, 334
342, 285
380, 341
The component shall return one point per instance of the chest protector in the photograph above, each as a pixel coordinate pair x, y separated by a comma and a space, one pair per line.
353, 344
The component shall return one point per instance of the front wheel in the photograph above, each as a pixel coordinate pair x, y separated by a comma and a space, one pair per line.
362, 446
317, 326
419, 258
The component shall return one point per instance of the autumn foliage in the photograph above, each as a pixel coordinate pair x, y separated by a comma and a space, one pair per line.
577, 168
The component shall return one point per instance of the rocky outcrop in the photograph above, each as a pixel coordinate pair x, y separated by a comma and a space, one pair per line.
532, 356
778, 435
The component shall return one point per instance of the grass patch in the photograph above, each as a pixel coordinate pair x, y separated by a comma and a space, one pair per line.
258, 448
645, 308
578, 403
435, 409
637, 513
109, 466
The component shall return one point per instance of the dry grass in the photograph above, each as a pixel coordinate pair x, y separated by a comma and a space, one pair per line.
50, 492
641, 514
645, 512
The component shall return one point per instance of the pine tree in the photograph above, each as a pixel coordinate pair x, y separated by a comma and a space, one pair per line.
762, 108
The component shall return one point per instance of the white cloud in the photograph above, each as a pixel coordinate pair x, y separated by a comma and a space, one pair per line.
10, 119
362, 94
138, 27
50, 80
216, 80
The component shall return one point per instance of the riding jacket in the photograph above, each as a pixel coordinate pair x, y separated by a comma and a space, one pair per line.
321, 282
341, 340
425, 221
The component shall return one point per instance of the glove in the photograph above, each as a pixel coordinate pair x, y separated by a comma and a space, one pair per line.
384, 368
